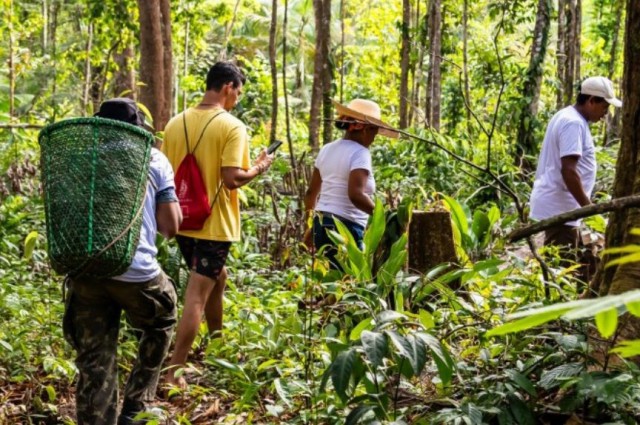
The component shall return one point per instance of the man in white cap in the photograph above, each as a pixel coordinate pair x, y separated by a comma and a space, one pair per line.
567, 166
342, 184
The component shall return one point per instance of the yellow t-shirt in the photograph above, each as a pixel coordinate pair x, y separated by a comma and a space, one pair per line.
224, 144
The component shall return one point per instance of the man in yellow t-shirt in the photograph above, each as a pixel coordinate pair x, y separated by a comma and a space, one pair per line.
219, 142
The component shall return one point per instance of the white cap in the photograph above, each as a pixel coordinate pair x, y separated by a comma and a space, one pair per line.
601, 87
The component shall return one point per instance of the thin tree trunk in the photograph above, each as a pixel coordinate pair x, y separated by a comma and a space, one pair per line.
155, 59
319, 64
465, 59
185, 63
404, 62
561, 53
526, 143
227, 33
342, 7
45, 25
433, 93
327, 76
87, 70
618, 279
613, 121
274, 70
124, 78
12, 71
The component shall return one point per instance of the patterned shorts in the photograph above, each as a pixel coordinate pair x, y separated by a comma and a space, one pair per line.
203, 256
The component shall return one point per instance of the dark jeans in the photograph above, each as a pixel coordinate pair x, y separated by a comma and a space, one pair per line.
323, 222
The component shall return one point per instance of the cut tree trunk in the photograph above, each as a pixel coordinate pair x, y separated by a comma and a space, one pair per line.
430, 240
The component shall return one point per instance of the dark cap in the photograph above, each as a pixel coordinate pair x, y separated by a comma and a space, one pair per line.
122, 109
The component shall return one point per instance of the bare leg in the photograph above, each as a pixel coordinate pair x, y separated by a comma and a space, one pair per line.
198, 290
213, 310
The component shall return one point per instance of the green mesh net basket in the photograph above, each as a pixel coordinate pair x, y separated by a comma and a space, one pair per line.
94, 176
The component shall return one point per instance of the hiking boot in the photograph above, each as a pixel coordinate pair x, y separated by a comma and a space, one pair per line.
131, 409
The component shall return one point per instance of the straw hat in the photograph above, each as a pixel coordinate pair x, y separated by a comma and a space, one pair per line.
368, 112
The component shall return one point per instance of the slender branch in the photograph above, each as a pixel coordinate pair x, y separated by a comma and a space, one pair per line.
588, 211
21, 126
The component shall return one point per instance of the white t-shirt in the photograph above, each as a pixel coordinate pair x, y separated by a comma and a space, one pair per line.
567, 134
335, 161
145, 266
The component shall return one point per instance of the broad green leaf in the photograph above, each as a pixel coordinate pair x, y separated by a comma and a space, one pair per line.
458, 215
418, 353
358, 413
520, 411
395, 262
631, 258
628, 348
480, 225
341, 372
375, 346
375, 230
522, 381
633, 308
554, 377
389, 316
526, 323
30, 244
51, 393
444, 362
364, 324
282, 393
607, 322
426, 319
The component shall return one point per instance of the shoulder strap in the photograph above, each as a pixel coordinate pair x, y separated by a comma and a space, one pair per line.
186, 137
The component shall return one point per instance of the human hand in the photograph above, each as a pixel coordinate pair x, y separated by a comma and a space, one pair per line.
263, 162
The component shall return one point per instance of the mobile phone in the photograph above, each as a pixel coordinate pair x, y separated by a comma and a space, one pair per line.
272, 148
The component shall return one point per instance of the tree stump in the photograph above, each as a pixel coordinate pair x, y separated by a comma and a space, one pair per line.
430, 240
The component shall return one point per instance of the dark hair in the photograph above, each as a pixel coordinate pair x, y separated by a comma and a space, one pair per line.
122, 109
222, 73
584, 98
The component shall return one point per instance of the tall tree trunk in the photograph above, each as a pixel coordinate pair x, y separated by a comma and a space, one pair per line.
320, 64
342, 17
156, 68
627, 181
404, 62
433, 93
285, 23
526, 144
185, 62
465, 60
327, 77
615, 279
613, 118
124, 78
569, 34
87, 70
273, 29
561, 53
12, 71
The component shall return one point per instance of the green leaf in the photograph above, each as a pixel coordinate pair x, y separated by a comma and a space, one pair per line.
480, 225
444, 362
51, 393
365, 324
628, 348
284, 395
522, 381
418, 353
341, 372
395, 262
426, 319
375, 230
520, 411
358, 413
458, 215
554, 377
30, 244
607, 322
375, 346
633, 308
526, 323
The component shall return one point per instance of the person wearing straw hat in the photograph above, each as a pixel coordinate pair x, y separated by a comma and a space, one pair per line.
342, 184
566, 172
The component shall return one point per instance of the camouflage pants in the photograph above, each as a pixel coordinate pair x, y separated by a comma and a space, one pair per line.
91, 324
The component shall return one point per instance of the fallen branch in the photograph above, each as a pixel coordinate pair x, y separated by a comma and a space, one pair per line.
588, 211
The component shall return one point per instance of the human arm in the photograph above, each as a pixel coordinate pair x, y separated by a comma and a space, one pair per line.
357, 183
235, 177
168, 218
572, 179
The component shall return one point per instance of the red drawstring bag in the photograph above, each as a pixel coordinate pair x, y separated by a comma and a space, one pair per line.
190, 187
